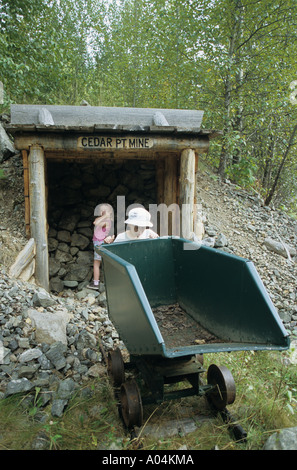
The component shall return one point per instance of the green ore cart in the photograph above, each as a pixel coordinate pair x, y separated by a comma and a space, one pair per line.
172, 301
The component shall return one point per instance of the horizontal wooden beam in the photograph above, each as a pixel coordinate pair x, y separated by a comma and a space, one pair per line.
106, 156
131, 143
112, 130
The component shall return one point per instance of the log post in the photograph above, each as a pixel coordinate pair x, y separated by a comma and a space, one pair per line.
198, 225
26, 192
187, 191
38, 216
170, 194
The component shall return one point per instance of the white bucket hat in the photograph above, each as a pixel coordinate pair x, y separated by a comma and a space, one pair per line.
140, 217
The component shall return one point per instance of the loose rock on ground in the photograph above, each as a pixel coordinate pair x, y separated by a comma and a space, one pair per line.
57, 361
236, 221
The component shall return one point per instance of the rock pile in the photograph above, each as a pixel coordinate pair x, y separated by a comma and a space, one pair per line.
32, 355
74, 191
60, 359
56, 357
237, 221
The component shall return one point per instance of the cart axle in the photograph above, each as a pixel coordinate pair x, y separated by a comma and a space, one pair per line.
158, 372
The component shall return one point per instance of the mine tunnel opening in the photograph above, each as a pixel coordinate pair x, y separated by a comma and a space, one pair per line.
74, 188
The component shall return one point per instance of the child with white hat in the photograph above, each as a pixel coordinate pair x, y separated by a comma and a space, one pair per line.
138, 221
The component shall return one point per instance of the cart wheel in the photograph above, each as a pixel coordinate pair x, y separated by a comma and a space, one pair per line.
224, 392
131, 404
115, 367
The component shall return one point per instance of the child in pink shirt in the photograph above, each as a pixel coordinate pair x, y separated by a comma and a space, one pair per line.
103, 226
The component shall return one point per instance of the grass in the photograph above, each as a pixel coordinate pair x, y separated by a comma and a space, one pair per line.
90, 421
266, 400
2, 174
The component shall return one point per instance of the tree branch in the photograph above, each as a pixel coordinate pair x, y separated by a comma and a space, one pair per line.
290, 144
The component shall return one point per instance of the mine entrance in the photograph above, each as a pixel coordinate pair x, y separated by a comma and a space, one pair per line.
74, 189
75, 157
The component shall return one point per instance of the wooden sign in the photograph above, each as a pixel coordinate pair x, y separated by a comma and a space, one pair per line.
112, 143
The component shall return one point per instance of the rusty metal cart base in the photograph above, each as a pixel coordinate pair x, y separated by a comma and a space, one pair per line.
157, 372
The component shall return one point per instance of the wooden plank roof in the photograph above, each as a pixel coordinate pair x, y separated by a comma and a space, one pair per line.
73, 117
107, 120
32, 118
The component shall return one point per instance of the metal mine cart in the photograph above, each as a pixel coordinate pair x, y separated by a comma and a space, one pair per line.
172, 301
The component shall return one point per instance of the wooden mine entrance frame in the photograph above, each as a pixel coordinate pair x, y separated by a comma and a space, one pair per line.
171, 137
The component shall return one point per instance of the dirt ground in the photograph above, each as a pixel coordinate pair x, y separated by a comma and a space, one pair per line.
179, 329
12, 211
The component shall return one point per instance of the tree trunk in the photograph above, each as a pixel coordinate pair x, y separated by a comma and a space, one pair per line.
276, 180
268, 164
233, 57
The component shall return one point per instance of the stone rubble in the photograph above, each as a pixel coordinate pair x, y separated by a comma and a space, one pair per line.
58, 357
237, 222
33, 355
7, 148
61, 359
284, 439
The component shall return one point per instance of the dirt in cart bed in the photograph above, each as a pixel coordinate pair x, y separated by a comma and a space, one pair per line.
179, 329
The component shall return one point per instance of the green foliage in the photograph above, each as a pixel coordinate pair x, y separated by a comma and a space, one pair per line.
235, 59
2, 174
243, 173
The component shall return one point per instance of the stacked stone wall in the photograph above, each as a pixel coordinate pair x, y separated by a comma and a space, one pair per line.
74, 190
